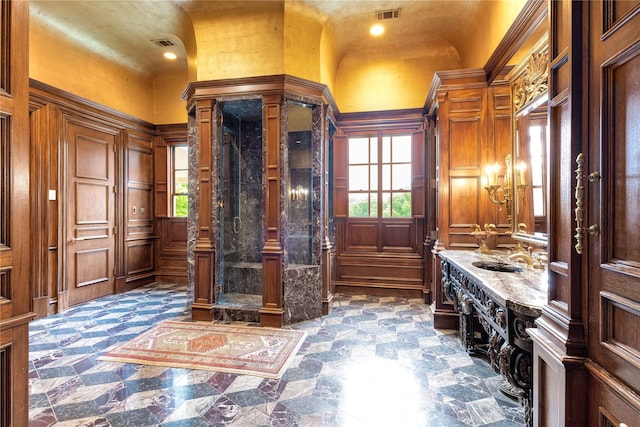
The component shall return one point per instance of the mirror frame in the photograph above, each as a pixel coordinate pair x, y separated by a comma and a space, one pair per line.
529, 89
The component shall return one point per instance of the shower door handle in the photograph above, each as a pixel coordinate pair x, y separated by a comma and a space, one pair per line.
236, 224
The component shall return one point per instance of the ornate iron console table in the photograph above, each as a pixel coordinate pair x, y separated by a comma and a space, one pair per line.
496, 307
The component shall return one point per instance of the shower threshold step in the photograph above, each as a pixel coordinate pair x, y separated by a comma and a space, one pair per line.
238, 308
235, 300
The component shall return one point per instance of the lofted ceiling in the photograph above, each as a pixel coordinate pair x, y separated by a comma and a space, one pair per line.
123, 30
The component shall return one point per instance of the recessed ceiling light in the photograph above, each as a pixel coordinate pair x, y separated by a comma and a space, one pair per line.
376, 30
170, 55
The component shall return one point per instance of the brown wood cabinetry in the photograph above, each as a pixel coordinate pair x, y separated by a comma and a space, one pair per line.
15, 228
139, 239
612, 255
586, 346
473, 130
92, 177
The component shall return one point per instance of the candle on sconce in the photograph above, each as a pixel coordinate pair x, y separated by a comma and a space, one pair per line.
489, 172
521, 169
496, 171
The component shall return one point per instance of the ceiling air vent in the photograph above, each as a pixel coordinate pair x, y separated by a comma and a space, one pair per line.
163, 42
387, 14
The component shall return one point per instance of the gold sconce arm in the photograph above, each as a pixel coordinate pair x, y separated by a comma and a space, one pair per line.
500, 194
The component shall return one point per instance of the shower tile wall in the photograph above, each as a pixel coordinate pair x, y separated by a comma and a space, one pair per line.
302, 277
299, 225
317, 171
252, 193
243, 272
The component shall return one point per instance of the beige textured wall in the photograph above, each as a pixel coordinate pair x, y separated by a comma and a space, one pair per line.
489, 31
54, 60
169, 107
367, 81
234, 45
302, 35
328, 58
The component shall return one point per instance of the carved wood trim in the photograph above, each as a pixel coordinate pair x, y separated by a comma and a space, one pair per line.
530, 79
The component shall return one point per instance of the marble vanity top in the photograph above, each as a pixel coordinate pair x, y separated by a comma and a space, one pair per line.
524, 292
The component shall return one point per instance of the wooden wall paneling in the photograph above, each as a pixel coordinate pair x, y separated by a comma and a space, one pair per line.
121, 213
372, 241
469, 127
43, 176
419, 183
431, 195
15, 215
162, 169
418, 206
499, 141
612, 254
54, 256
139, 196
390, 272
171, 249
397, 236
139, 257
272, 310
204, 252
611, 403
559, 339
460, 97
466, 140
63, 108
362, 236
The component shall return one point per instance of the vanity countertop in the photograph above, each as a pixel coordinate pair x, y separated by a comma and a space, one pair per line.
524, 292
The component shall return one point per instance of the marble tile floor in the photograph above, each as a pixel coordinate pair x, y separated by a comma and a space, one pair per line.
373, 361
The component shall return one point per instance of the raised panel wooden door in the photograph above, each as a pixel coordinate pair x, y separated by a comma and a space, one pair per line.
614, 200
15, 225
89, 213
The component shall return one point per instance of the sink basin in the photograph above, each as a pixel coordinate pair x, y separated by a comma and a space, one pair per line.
502, 267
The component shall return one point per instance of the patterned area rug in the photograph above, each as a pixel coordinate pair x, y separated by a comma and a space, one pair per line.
248, 350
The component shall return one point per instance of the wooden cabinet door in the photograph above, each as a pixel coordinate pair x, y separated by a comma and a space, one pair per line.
15, 225
89, 212
614, 202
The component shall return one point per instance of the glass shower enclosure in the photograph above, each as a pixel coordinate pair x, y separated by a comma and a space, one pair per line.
241, 210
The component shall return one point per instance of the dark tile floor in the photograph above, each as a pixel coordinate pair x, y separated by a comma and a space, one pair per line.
373, 361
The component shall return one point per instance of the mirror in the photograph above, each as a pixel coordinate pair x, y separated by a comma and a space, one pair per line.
529, 96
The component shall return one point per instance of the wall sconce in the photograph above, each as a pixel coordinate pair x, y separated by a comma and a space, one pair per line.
299, 193
500, 194
521, 180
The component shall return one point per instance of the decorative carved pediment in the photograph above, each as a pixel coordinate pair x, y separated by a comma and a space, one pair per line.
530, 79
